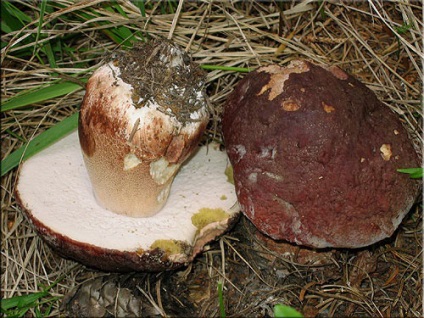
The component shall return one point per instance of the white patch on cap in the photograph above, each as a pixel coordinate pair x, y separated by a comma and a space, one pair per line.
279, 75
268, 152
240, 151
161, 170
253, 177
386, 151
163, 195
131, 161
273, 175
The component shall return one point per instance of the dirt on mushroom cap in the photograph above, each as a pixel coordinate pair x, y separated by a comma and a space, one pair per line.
170, 77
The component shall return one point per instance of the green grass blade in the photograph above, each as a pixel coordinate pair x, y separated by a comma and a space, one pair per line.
417, 175
4, 28
126, 36
141, 6
120, 10
49, 302
21, 301
47, 49
283, 311
40, 94
122, 31
12, 19
41, 19
15, 135
221, 301
111, 35
38, 143
225, 68
17, 312
8, 23
171, 5
405, 27
414, 173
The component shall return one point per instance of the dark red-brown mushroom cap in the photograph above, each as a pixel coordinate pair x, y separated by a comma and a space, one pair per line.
315, 156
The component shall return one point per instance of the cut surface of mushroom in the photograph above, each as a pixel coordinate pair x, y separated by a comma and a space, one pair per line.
55, 191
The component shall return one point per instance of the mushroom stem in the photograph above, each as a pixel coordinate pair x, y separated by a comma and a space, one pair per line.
142, 116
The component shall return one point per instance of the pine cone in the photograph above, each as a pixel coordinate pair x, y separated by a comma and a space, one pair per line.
103, 297
120, 295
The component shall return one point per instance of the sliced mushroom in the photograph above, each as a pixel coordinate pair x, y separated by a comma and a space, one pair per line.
55, 191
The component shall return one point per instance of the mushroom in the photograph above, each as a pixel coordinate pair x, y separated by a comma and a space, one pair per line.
56, 194
142, 116
315, 157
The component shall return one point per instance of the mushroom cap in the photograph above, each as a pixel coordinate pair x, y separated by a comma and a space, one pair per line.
56, 195
142, 115
315, 154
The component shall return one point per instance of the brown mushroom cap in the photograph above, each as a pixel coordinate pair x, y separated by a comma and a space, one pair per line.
56, 195
315, 155
142, 115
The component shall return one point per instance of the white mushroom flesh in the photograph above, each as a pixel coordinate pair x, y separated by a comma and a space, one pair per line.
55, 188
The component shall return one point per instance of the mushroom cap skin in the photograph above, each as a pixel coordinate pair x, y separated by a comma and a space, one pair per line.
56, 196
315, 157
142, 115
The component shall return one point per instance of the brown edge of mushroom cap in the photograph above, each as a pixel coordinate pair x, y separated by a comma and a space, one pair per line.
67, 217
114, 260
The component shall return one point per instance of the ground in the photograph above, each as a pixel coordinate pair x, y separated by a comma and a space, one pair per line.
378, 42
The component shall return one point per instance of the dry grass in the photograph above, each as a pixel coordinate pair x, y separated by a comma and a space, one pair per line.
379, 42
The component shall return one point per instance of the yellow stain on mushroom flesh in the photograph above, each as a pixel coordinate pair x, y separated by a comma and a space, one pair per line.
207, 216
170, 247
